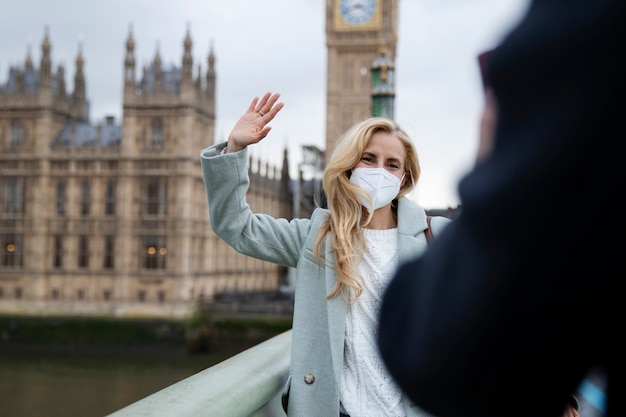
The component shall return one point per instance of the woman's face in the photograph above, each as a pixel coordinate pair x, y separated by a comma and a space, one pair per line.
384, 150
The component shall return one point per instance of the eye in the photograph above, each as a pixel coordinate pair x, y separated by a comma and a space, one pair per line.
367, 159
394, 165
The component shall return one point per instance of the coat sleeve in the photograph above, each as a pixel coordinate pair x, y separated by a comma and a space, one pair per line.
261, 236
512, 304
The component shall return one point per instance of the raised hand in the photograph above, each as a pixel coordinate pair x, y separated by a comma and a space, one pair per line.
252, 125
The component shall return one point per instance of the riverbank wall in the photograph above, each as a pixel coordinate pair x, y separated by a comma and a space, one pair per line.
203, 332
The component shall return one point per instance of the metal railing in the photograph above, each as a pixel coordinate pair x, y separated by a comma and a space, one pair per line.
248, 384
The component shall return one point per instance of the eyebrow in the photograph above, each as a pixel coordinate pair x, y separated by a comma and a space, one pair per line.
371, 154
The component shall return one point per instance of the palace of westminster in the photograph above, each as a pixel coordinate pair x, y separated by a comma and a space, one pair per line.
112, 219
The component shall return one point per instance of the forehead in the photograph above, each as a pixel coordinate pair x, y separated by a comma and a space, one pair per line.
387, 145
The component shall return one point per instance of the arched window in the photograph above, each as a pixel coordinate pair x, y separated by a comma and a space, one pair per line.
12, 251
60, 199
110, 198
83, 252
109, 252
157, 134
85, 198
155, 252
156, 197
17, 136
13, 196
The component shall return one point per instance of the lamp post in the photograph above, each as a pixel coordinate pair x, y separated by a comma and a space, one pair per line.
383, 80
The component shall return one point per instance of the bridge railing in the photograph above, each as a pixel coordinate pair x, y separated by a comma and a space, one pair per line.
248, 384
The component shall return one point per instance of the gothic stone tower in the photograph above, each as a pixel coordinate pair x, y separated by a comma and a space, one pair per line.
111, 219
168, 117
356, 32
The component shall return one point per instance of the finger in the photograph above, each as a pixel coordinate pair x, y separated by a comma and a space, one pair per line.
267, 107
252, 105
272, 100
274, 111
265, 131
263, 102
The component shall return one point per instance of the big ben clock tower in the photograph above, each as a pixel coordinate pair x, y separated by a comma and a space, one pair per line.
356, 31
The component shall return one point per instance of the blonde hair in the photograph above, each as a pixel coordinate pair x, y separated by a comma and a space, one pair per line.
347, 216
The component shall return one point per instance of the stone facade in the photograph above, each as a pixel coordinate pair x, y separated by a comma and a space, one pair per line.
112, 218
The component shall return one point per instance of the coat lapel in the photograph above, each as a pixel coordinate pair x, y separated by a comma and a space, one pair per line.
411, 224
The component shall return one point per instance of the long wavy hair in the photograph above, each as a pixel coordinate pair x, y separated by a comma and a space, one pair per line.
347, 215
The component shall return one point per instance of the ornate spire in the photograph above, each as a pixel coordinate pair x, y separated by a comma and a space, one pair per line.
187, 60
28, 64
61, 77
79, 76
158, 71
80, 94
45, 67
129, 60
210, 73
199, 78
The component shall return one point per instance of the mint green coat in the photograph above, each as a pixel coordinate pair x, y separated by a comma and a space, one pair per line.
318, 323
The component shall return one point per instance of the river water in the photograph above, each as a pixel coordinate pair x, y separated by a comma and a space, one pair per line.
40, 383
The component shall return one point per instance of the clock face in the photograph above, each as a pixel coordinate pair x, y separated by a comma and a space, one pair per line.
357, 11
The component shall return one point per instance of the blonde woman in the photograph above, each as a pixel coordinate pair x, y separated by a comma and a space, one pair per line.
344, 256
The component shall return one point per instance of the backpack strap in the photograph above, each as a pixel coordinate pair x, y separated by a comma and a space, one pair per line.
427, 232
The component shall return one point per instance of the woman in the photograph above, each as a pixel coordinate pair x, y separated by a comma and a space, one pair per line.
343, 257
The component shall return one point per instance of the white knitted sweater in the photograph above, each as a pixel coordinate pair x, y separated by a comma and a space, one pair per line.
366, 389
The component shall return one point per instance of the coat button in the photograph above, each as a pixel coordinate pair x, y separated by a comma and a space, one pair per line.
309, 379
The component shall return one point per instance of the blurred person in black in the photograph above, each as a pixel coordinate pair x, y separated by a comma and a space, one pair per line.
488, 122
518, 298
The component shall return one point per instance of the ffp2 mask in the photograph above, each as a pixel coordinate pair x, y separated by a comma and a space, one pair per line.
381, 185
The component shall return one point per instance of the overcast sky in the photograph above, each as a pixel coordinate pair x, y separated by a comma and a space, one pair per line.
279, 46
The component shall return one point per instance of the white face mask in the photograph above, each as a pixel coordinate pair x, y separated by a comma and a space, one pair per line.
381, 185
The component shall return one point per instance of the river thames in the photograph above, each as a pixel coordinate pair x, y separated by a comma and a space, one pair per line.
40, 383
